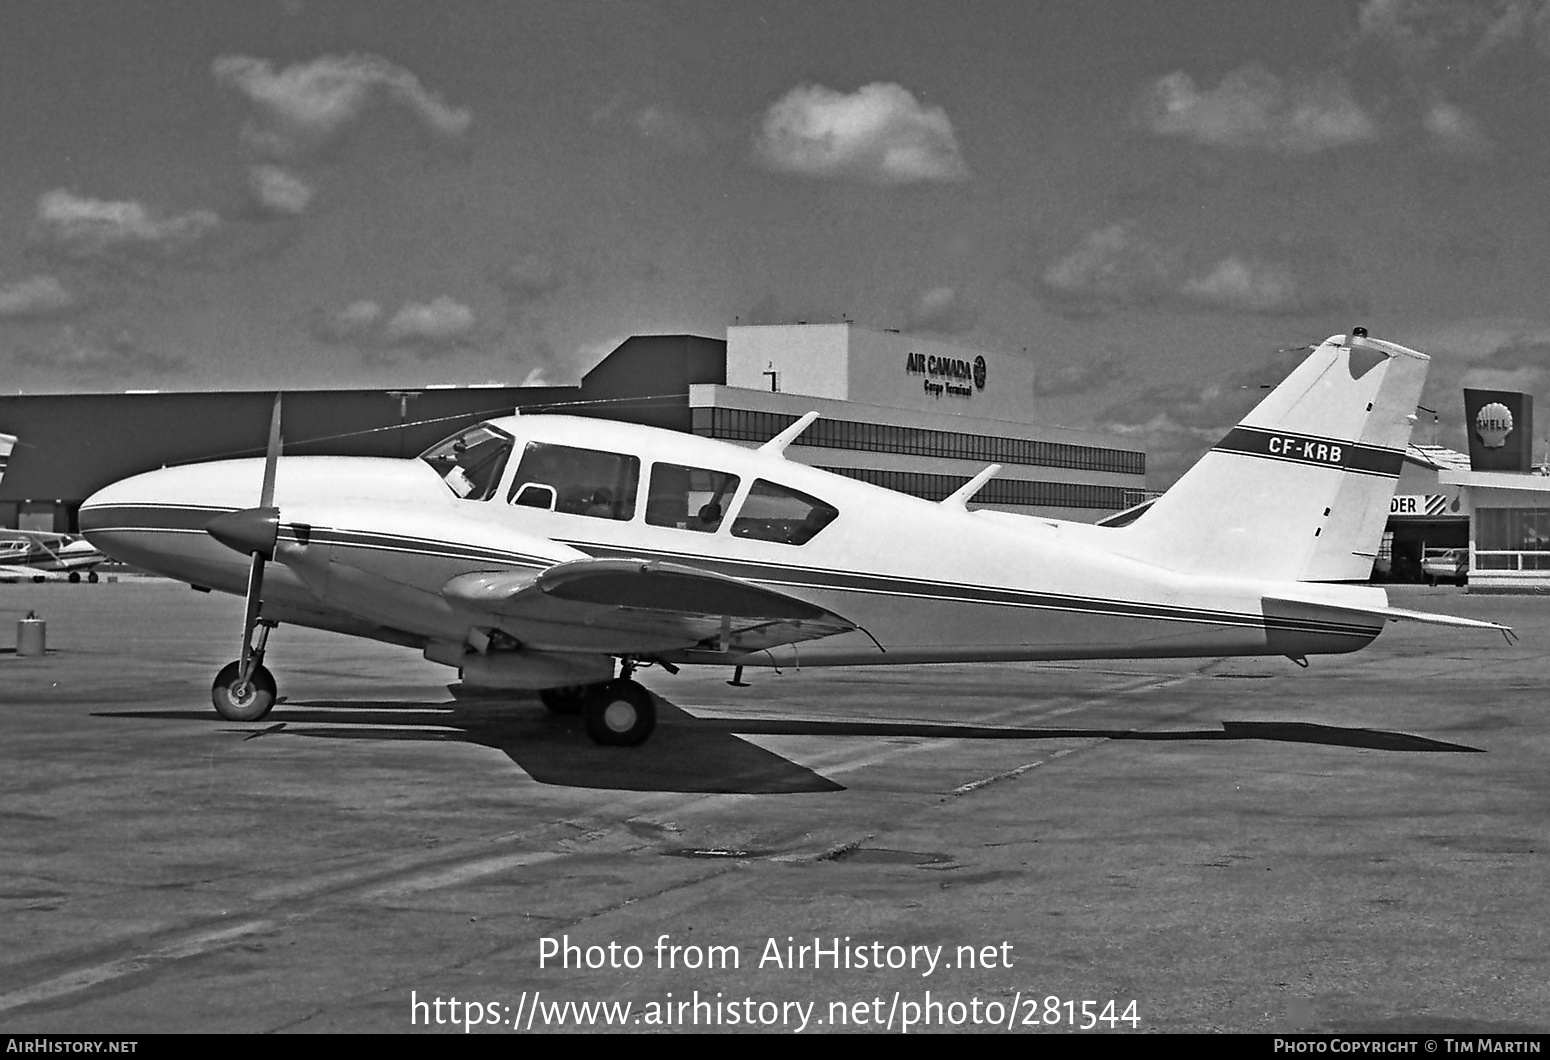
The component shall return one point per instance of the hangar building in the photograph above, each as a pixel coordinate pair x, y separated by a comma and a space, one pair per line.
909, 413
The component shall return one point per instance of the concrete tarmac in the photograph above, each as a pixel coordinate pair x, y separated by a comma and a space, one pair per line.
1234, 845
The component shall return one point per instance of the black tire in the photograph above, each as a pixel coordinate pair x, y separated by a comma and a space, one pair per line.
256, 701
620, 714
92, 577
75, 577
567, 700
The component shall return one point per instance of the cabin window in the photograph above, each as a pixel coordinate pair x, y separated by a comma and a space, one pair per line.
779, 513
471, 463
689, 498
564, 478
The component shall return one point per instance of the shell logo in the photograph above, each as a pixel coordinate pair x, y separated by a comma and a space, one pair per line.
1493, 423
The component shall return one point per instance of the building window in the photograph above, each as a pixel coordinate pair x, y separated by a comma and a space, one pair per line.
1020, 492
1512, 539
739, 425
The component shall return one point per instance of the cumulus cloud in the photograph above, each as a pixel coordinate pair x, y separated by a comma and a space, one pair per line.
81, 228
1463, 32
304, 108
436, 326
89, 355
879, 134
278, 192
36, 296
1111, 268
1114, 268
1253, 108
1453, 129
440, 323
940, 309
1245, 286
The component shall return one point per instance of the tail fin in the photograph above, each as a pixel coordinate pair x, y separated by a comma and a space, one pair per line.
1300, 490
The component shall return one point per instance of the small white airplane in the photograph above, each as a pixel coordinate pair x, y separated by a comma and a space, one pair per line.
43, 556
38, 555
560, 554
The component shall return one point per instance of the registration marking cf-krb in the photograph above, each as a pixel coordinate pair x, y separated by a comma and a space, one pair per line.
1308, 449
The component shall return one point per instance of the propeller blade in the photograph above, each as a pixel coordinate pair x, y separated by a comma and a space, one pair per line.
271, 457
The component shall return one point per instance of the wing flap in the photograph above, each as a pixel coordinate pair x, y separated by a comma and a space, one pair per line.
637, 606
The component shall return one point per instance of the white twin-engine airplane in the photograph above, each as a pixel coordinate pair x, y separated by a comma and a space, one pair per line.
558, 554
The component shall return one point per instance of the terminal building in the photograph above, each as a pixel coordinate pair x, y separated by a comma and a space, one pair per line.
1505, 494
1480, 518
909, 413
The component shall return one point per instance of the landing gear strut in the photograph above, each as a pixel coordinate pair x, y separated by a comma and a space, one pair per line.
244, 690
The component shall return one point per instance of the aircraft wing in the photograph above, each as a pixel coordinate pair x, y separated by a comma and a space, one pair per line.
624, 606
10, 572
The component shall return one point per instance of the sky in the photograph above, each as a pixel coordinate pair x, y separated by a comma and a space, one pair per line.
1158, 202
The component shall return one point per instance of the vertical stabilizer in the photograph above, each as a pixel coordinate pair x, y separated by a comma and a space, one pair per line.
1300, 490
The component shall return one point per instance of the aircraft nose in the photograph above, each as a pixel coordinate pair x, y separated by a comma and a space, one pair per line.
149, 518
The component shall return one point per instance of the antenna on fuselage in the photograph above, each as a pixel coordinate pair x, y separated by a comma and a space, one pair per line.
961, 496
776, 446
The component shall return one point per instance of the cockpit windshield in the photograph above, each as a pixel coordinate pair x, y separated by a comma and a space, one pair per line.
470, 463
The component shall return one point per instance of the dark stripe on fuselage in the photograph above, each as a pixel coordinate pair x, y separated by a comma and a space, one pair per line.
1307, 449
890, 585
167, 518
190, 519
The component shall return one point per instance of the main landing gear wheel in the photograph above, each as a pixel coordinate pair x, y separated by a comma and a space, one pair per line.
567, 699
249, 703
620, 714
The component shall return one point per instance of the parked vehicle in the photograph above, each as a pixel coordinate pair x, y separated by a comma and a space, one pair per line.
1445, 565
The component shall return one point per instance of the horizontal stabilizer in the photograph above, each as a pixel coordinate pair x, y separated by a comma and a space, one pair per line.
1348, 612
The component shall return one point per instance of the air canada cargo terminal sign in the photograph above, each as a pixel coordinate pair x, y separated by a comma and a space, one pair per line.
1501, 430
949, 375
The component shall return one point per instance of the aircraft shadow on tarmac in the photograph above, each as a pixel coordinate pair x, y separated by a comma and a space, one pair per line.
691, 754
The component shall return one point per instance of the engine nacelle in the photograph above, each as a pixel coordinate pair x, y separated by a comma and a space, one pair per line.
533, 669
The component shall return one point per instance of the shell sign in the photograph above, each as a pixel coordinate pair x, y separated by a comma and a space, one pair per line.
1501, 430
1493, 423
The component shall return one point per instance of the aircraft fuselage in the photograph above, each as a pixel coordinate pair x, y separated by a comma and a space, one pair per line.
366, 546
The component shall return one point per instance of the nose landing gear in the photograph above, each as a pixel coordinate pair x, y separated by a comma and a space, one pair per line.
244, 690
